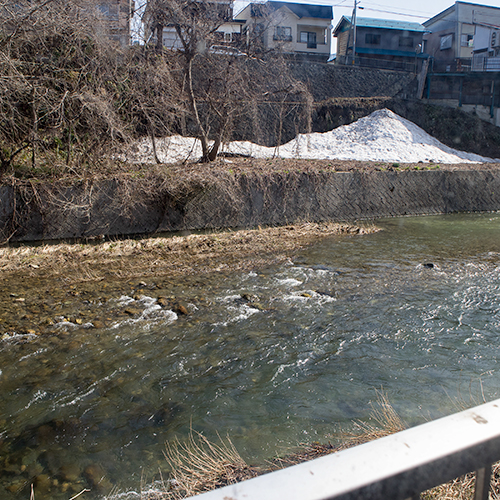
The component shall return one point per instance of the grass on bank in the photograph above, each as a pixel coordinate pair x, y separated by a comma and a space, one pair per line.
176, 255
199, 465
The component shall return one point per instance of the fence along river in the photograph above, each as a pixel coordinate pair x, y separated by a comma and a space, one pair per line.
272, 357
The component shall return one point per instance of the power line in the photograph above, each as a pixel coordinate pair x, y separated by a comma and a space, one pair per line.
396, 13
401, 8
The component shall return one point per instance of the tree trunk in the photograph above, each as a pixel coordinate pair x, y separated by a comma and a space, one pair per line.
202, 135
159, 37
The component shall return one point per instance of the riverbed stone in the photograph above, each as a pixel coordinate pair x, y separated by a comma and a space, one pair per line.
16, 486
180, 308
96, 477
70, 472
132, 311
163, 301
43, 483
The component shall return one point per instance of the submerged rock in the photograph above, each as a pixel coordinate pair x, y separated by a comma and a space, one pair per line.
70, 472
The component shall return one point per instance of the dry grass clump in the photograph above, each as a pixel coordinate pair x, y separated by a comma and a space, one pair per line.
199, 465
384, 421
462, 488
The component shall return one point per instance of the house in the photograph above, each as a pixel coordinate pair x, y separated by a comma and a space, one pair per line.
116, 16
379, 43
230, 33
486, 49
208, 13
451, 41
300, 29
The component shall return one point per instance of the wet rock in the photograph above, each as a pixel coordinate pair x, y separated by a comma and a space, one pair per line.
13, 469
29, 458
305, 294
180, 308
428, 265
163, 301
46, 434
93, 474
257, 305
248, 297
96, 478
43, 483
16, 486
132, 311
34, 469
98, 324
70, 472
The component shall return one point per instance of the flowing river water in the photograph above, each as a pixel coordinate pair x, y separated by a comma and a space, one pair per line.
272, 357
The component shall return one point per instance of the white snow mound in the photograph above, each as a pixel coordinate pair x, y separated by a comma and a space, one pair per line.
382, 136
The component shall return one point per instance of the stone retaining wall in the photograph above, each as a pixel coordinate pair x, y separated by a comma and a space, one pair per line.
116, 208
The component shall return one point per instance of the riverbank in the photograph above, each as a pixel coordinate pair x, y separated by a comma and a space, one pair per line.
174, 255
239, 192
94, 272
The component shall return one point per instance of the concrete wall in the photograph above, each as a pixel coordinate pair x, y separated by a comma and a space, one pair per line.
115, 208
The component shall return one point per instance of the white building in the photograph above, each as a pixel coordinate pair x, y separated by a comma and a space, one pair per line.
296, 28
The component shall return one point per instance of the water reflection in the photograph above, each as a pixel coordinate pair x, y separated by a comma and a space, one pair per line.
272, 357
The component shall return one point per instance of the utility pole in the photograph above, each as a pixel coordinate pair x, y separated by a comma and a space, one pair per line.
354, 32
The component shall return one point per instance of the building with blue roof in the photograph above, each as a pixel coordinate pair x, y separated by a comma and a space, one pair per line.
380, 43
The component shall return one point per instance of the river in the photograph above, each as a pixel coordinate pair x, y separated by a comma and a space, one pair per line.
271, 357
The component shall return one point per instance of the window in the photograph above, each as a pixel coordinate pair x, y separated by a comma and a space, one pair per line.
109, 11
283, 33
372, 39
406, 41
308, 37
466, 40
446, 42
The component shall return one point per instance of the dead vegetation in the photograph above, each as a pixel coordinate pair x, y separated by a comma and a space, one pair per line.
176, 255
199, 465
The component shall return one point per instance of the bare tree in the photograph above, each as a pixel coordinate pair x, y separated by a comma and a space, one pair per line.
217, 86
56, 69
195, 23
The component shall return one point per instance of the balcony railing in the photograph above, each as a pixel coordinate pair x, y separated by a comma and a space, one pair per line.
399, 466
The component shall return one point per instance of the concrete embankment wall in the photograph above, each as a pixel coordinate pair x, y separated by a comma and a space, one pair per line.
117, 207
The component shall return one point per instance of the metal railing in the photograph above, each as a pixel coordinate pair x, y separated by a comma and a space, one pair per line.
483, 63
399, 466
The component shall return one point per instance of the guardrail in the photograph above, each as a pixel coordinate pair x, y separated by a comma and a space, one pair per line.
399, 466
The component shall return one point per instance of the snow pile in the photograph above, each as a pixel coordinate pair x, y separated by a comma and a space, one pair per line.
382, 136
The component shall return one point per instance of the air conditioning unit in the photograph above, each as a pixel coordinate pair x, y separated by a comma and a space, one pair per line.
495, 38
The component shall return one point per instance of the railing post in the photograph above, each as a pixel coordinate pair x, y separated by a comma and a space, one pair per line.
483, 478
